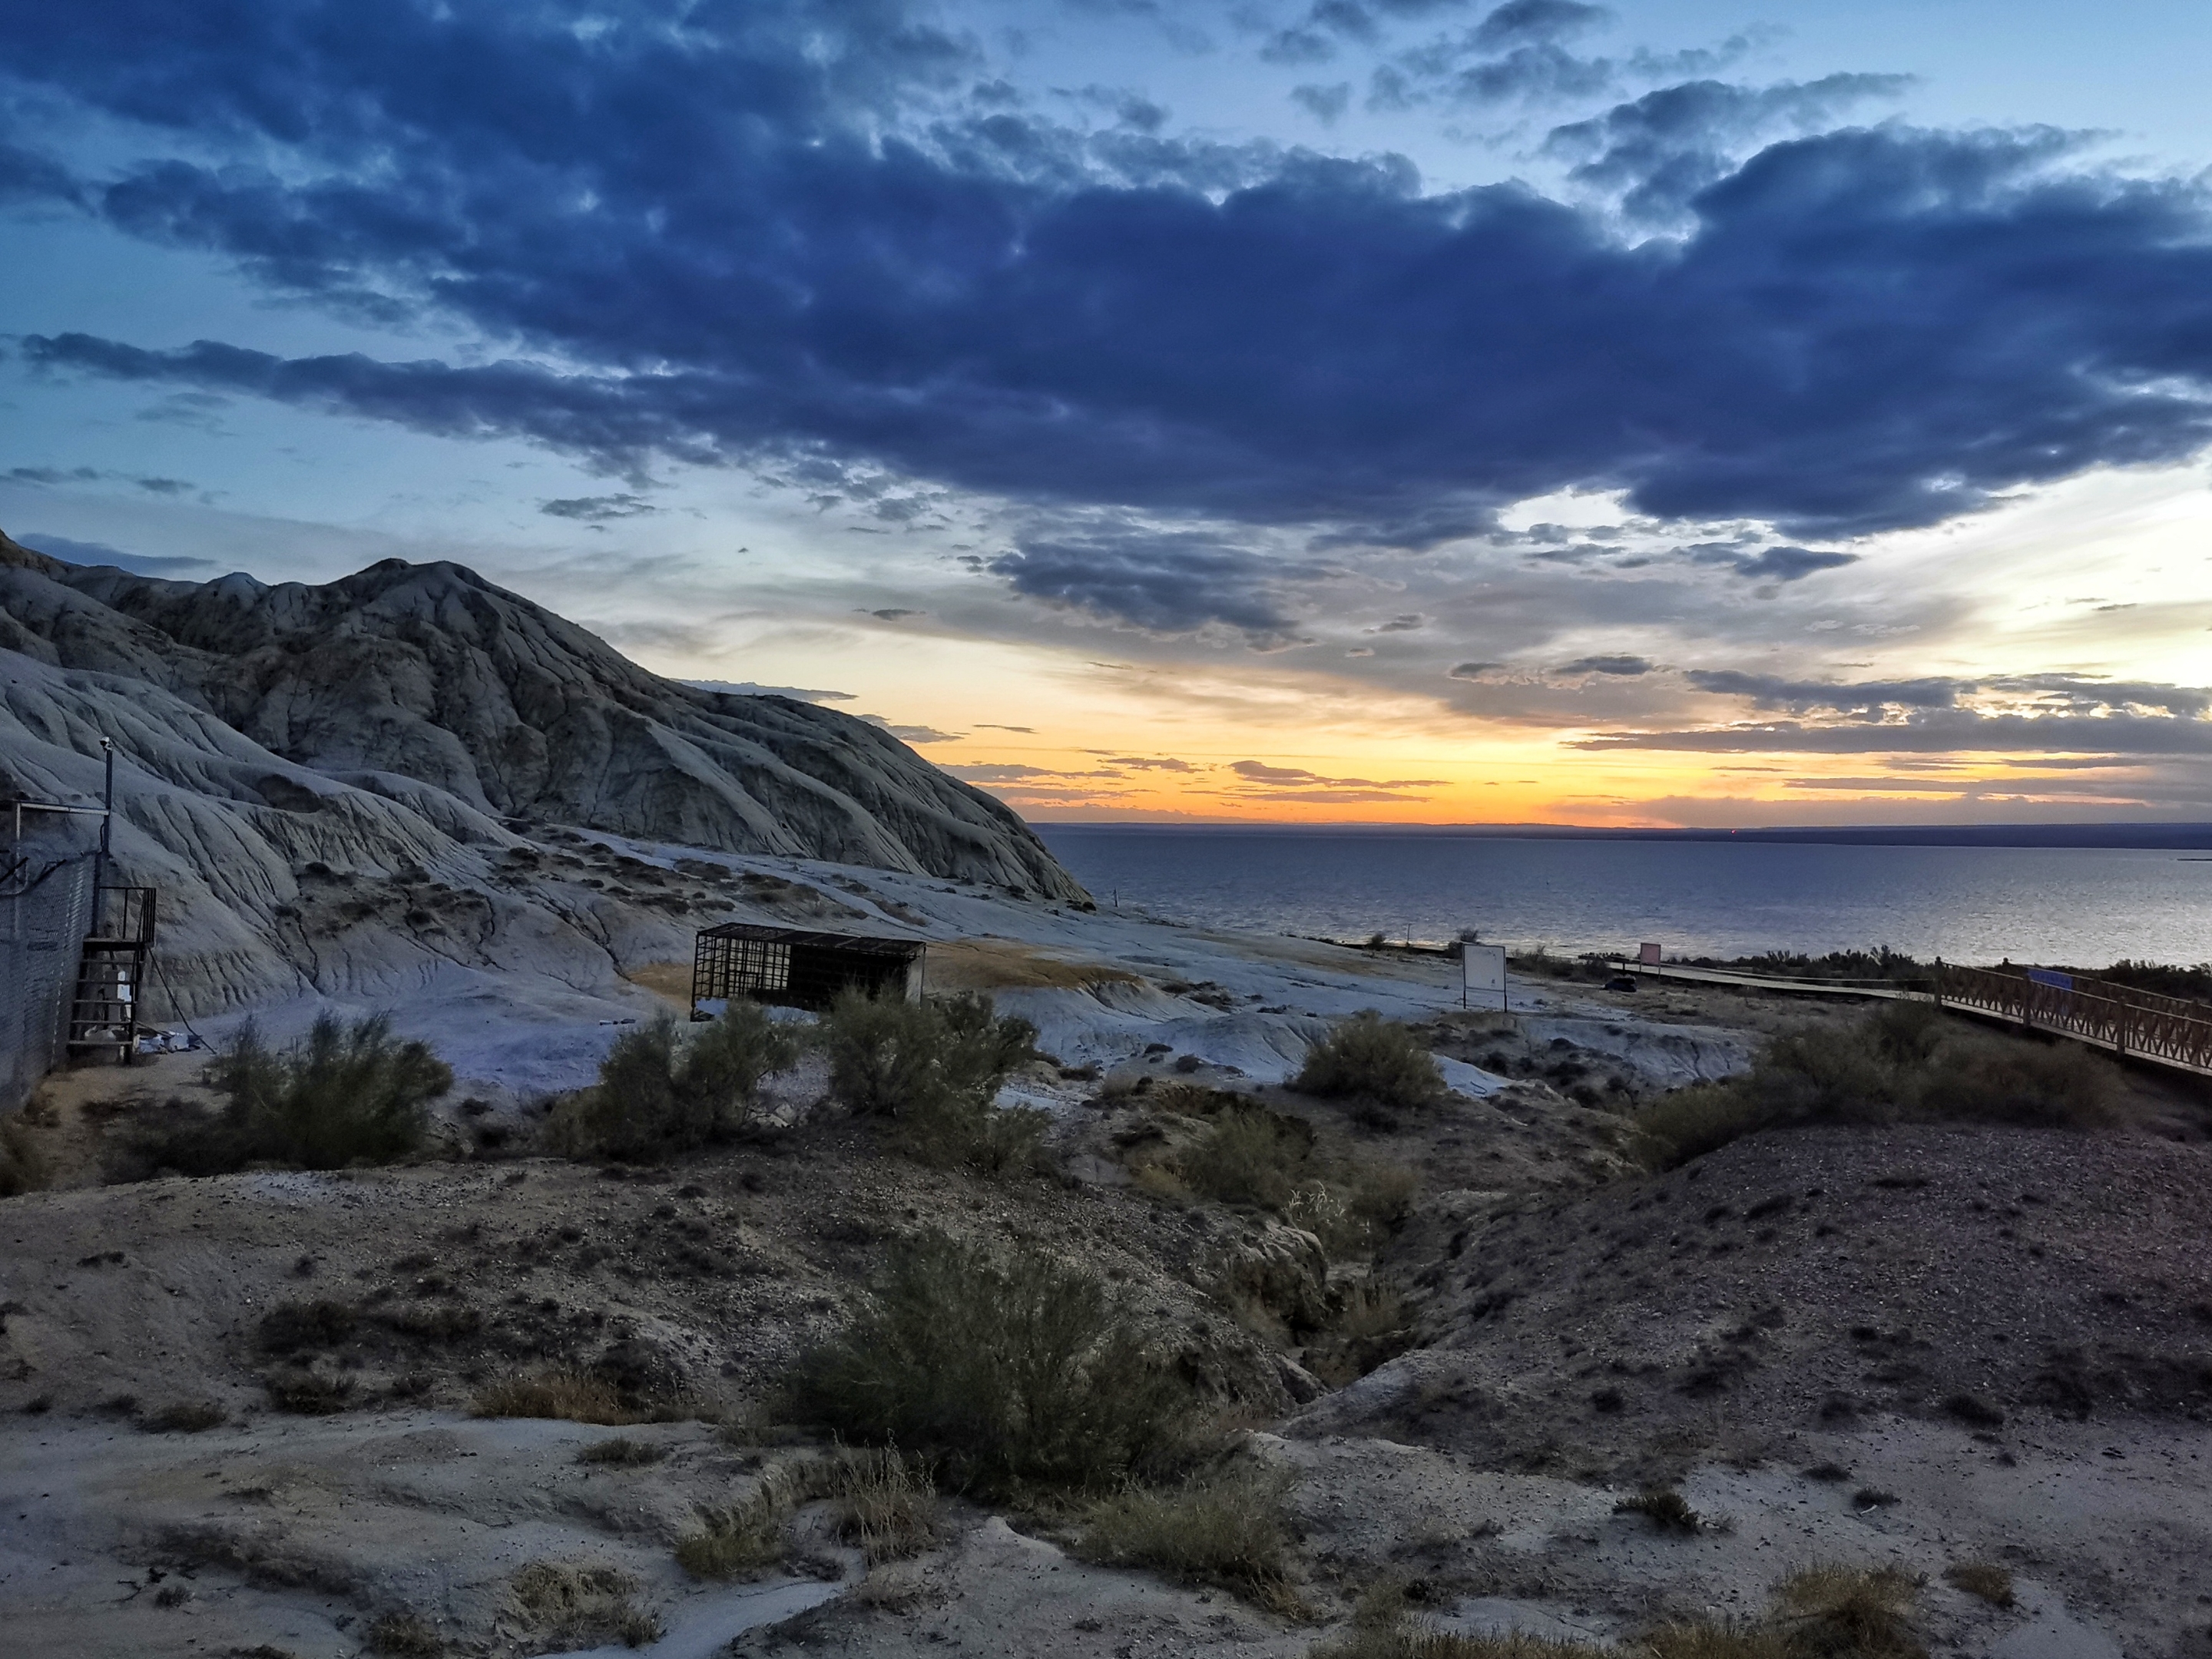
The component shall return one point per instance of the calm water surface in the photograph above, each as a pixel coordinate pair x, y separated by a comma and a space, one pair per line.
2084, 906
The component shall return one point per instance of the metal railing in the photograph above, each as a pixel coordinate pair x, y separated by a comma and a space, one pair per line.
2141, 1024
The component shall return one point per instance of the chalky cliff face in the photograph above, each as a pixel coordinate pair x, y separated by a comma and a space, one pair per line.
416, 717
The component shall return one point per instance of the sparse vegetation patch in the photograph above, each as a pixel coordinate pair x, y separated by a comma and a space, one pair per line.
1983, 1578
581, 1604
572, 1396
1904, 1061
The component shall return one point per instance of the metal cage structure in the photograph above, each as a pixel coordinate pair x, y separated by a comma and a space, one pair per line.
798, 967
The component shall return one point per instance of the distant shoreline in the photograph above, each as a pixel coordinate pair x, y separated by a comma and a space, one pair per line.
2146, 837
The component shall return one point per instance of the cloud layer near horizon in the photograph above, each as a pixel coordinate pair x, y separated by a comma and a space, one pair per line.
725, 233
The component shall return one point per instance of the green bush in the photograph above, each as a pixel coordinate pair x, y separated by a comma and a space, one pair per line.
1905, 1061
932, 1070
1373, 1060
1008, 1370
662, 1090
347, 1095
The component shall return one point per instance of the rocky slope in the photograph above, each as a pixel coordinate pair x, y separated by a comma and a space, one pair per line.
413, 721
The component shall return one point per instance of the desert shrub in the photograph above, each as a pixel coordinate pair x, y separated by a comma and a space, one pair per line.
1228, 1530
308, 1393
1249, 1156
294, 1328
345, 1095
1006, 1370
933, 1069
1370, 1060
1369, 1324
22, 1164
581, 1604
889, 1056
1904, 1061
663, 1090
403, 1636
1687, 1123
570, 1396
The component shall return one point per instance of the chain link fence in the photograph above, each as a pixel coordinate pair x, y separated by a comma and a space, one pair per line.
46, 906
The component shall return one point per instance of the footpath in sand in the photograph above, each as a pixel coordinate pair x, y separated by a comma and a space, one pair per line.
1783, 1331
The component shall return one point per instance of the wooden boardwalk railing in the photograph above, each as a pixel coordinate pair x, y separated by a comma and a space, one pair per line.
2138, 1024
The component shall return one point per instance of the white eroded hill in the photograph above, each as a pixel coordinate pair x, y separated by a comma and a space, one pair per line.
401, 725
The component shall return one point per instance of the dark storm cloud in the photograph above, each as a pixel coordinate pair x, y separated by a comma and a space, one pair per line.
1790, 564
2049, 695
1531, 23
1625, 667
1799, 696
1164, 582
1661, 150
1942, 731
599, 509
720, 235
1324, 103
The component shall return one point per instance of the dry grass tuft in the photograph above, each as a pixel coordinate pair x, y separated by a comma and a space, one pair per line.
1707, 1640
1983, 1578
1227, 1530
186, 1417
886, 1501
573, 1397
23, 1167
621, 1452
1667, 1510
741, 1540
1850, 1612
581, 1604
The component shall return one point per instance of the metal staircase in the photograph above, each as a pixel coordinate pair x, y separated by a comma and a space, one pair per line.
110, 976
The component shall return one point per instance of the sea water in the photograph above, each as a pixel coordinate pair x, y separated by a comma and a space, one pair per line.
2085, 906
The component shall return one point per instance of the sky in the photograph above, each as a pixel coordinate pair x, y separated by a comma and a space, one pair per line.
1682, 413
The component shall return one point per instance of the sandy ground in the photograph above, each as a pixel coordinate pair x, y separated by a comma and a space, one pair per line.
1541, 1268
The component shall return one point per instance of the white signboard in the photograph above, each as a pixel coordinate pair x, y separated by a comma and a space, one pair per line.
1486, 976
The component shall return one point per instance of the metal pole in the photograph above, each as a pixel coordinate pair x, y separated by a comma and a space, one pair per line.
106, 819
